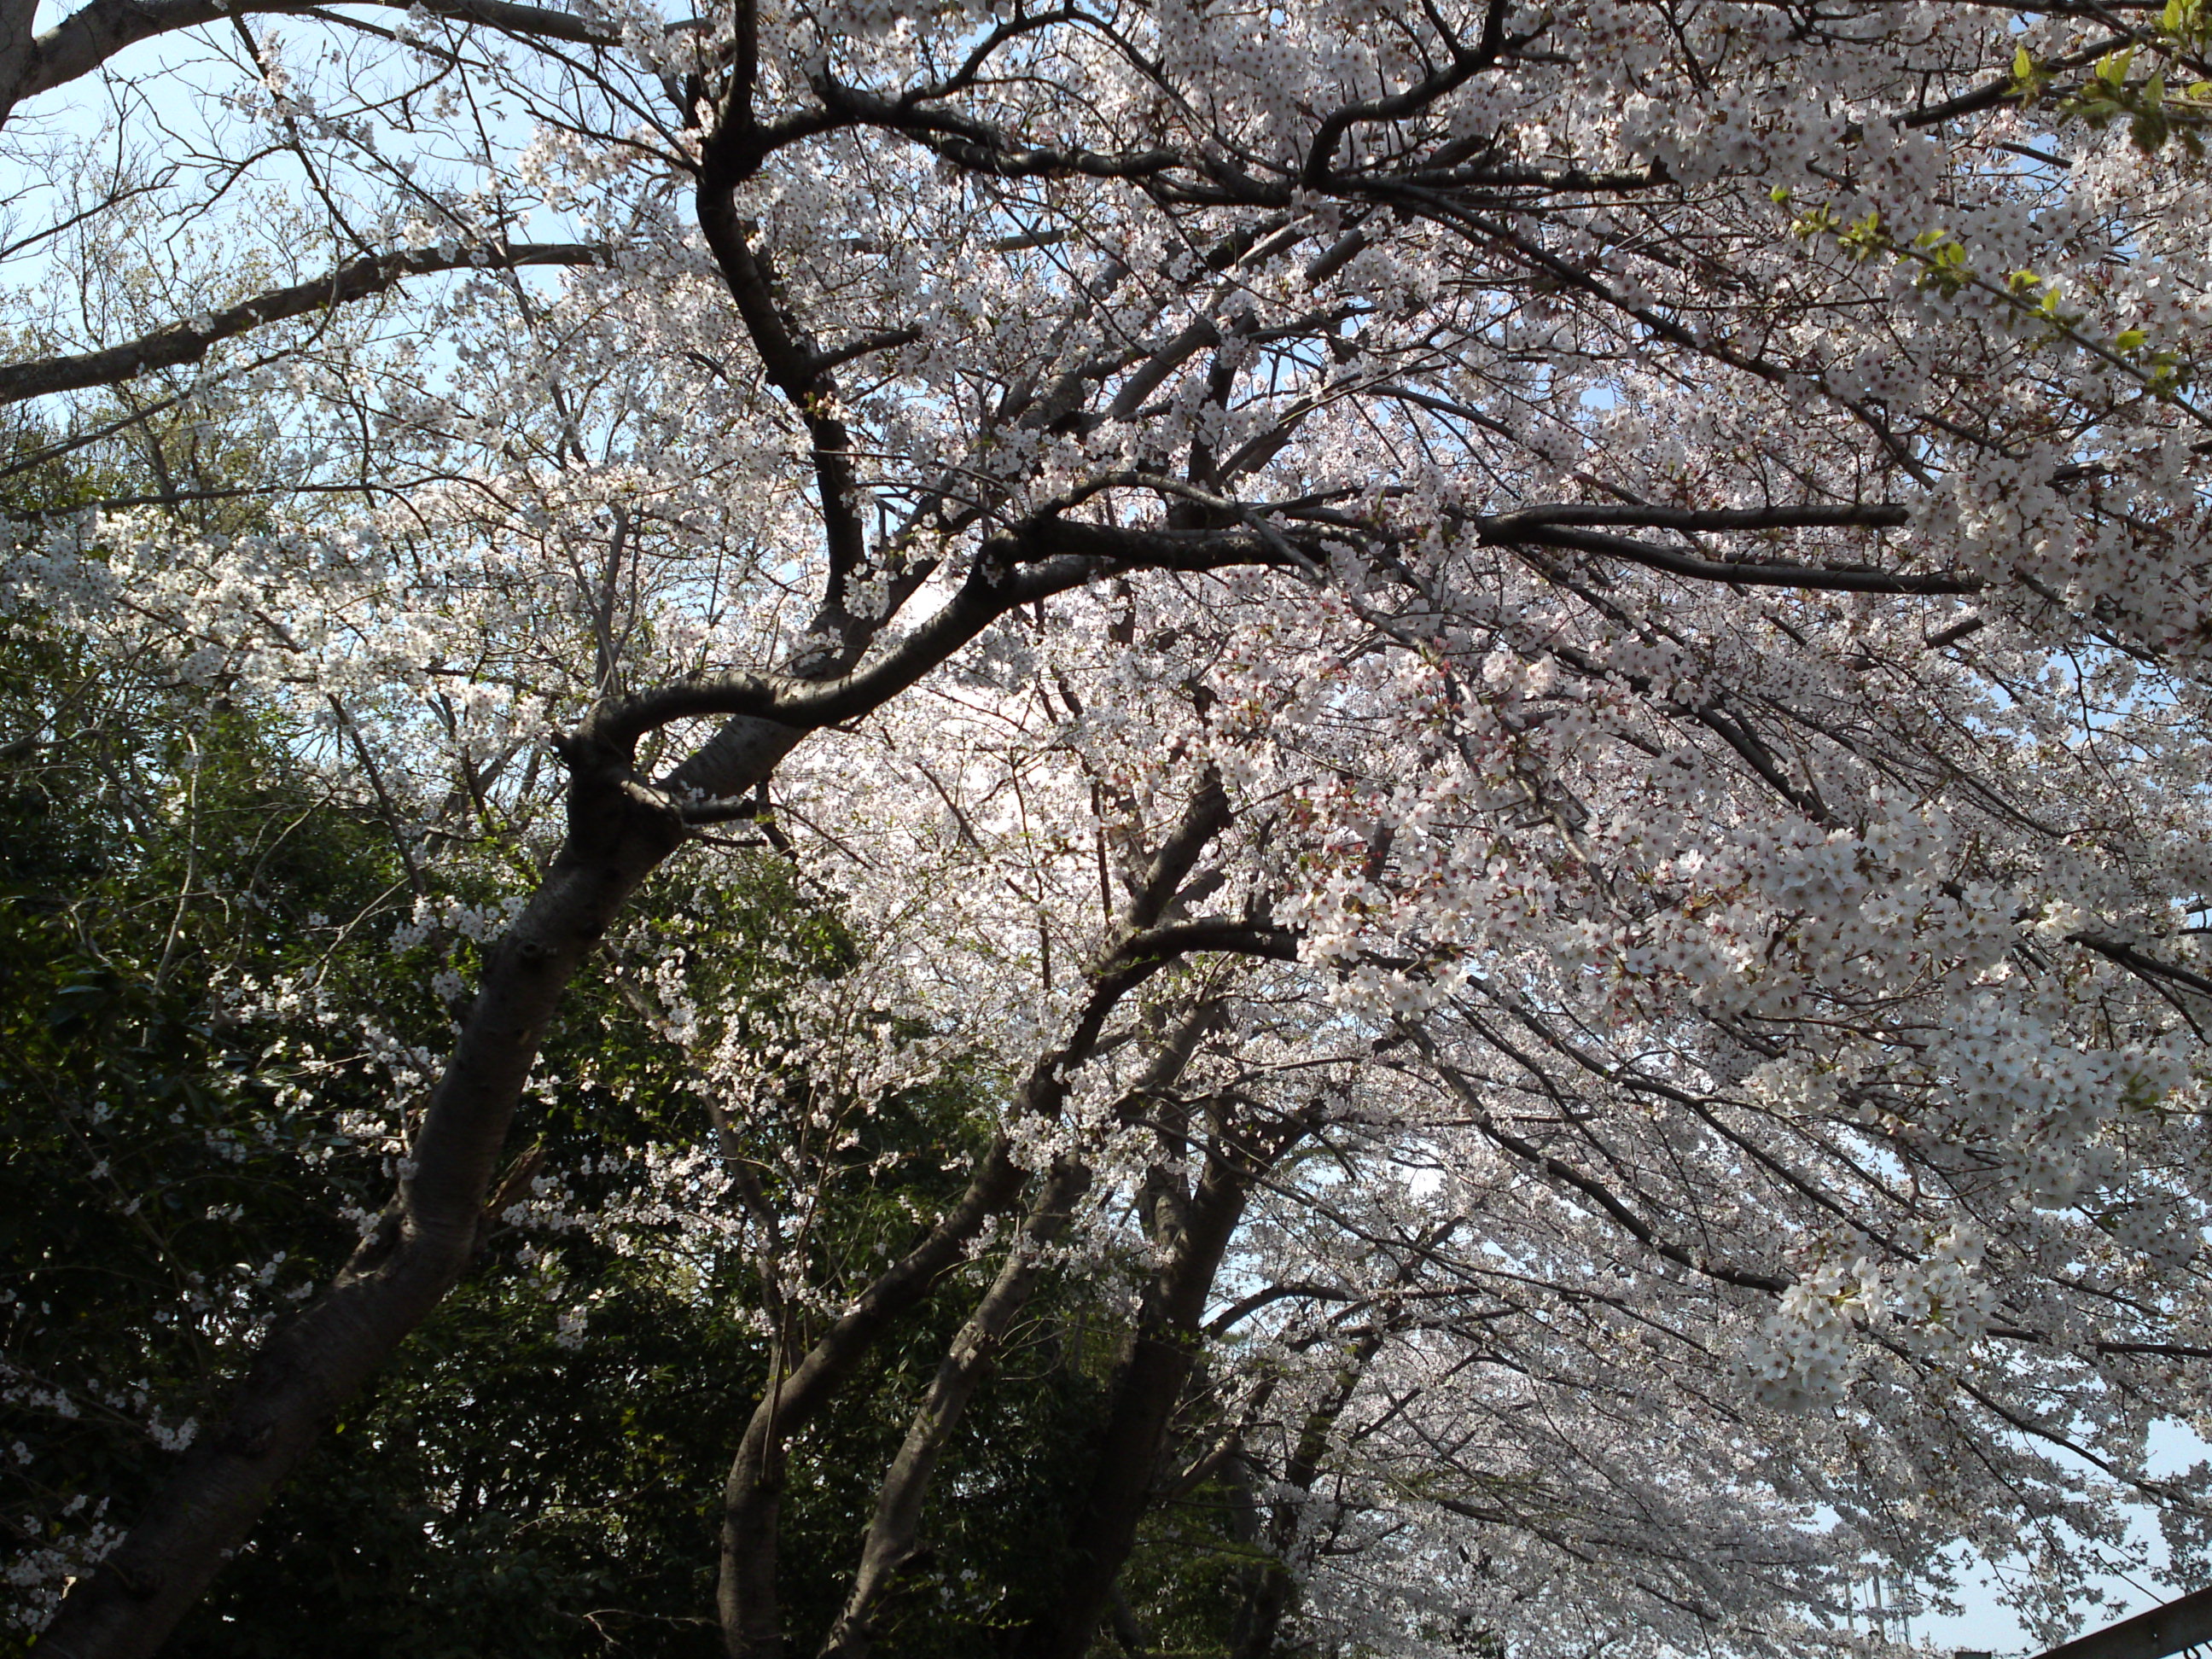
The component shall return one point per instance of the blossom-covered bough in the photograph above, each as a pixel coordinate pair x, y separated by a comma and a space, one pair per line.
1538, 671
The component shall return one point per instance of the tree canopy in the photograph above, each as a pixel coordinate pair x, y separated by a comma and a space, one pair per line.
840, 827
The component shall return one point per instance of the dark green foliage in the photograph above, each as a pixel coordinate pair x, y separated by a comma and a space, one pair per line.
164, 1187
502, 1494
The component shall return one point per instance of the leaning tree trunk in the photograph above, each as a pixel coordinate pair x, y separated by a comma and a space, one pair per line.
311, 1365
1267, 1604
1148, 1383
895, 1531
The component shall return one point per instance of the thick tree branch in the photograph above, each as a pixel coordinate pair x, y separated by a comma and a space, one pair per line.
1693, 521
2142, 963
1466, 64
309, 1366
802, 372
91, 35
1300, 1290
189, 342
1273, 1583
1149, 1379
1518, 532
1038, 561
978, 147
19, 51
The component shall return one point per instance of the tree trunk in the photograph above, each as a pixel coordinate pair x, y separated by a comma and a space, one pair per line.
892, 1533
746, 1596
19, 50
1149, 1382
1259, 1621
308, 1367
1274, 1588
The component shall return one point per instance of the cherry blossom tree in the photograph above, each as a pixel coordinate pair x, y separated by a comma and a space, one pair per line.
1530, 681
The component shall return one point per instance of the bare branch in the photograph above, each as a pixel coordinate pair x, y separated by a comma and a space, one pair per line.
188, 342
1748, 573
